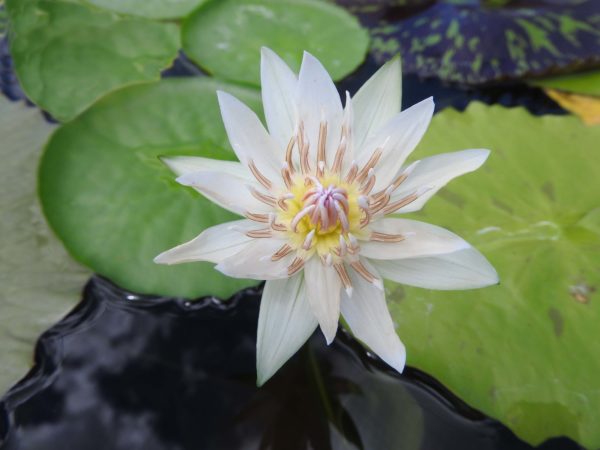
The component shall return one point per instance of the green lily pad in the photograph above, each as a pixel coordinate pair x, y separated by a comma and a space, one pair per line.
67, 55
585, 83
477, 42
525, 351
33, 263
225, 37
3, 20
116, 206
154, 9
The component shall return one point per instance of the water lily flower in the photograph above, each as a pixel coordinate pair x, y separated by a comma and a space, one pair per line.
319, 192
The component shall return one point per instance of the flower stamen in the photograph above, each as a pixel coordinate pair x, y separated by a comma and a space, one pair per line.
281, 201
404, 175
262, 218
385, 237
259, 176
364, 272
260, 234
382, 201
288, 154
304, 164
343, 274
402, 202
321, 154
395, 184
278, 226
295, 266
366, 219
286, 174
282, 252
265, 198
350, 177
300, 135
371, 163
353, 248
368, 185
339, 156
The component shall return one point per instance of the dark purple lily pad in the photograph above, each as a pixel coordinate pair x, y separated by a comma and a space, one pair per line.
475, 42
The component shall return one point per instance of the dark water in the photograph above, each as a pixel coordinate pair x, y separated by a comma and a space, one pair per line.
124, 372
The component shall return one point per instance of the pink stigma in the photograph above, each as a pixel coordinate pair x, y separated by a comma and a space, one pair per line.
326, 207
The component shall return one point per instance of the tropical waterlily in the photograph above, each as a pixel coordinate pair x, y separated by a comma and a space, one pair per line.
316, 191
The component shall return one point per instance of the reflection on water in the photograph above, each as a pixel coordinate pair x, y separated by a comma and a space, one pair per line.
130, 372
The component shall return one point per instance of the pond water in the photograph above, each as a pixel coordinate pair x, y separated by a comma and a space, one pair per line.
129, 372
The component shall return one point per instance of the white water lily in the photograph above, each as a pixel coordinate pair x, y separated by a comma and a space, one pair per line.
316, 190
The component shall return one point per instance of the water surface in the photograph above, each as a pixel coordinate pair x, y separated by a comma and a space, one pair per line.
128, 372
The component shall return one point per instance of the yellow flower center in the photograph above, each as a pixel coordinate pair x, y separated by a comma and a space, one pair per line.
320, 212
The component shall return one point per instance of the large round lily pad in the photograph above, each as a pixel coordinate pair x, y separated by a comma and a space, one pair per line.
155, 9
225, 37
33, 263
68, 55
526, 351
481, 41
116, 206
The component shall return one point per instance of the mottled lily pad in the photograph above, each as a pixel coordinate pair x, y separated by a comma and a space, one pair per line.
155, 9
478, 42
116, 206
33, 263
225, 37
526, 351
67, 55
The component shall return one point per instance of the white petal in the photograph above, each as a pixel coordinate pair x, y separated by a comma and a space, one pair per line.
323, 287
399, 137
285, 322
254, 261
421, 239
377, 101
278, 84
367, 315
463, 269
181, 165
227, 190
435, 172
317, 100
214, 244
248, 137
